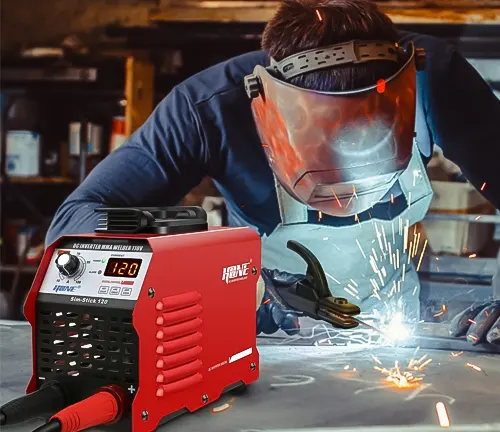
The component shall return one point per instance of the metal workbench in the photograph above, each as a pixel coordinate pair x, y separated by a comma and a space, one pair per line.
307, 387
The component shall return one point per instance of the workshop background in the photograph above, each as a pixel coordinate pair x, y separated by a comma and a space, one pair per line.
91, 71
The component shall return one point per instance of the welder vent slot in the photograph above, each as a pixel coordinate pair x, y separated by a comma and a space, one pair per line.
82, 343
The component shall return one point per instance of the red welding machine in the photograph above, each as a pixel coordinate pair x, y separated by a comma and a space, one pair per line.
145, 309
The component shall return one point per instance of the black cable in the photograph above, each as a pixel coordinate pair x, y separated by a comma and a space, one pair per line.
52, 426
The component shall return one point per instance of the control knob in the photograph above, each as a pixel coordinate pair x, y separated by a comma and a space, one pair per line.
67, 264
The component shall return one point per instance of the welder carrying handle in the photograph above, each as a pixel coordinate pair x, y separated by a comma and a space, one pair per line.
312, 296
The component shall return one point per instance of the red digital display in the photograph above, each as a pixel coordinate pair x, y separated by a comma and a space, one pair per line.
123, 267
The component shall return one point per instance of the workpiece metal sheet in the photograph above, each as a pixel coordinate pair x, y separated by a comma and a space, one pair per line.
335, 388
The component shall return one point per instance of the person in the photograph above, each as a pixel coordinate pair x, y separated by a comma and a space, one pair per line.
320, 154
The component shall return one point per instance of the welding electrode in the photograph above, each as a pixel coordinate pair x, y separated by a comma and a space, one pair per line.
372, 327
105, 406
44, 402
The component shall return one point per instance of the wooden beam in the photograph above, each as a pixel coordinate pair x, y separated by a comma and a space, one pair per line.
401, 12
138, 92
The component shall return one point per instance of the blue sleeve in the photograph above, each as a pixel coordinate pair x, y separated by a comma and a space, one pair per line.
464, 117
161, 162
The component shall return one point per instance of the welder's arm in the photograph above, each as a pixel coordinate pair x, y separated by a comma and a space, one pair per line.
463, 114
157, 166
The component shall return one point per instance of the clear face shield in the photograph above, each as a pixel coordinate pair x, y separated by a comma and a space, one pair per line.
338, 152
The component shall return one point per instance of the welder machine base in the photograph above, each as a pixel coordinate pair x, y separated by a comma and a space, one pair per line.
155, 305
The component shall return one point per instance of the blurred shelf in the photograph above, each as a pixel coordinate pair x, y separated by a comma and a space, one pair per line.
40, 180
26, 268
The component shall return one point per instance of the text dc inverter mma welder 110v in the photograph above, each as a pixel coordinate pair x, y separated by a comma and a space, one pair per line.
137, 321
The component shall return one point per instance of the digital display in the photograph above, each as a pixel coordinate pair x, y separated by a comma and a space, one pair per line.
123, 267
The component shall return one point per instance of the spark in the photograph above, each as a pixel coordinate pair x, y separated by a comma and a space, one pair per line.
392, 198
472, 321
421, 255
332, 278
483, 186
416, 175
473, 367
336, 197
443, 310
354, 283
319, 15
320, 216
473, 255
350, 292
376, 360
361, 249
478, 217
458, 354
400, 379
346, 367
325, 238
405, 244
415, 290
442, 413
353, 289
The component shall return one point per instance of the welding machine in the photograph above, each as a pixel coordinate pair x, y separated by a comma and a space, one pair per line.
142, 314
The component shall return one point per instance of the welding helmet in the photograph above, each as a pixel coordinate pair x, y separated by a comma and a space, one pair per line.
337, 152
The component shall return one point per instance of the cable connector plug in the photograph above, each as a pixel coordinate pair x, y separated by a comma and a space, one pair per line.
44, 402
105, 406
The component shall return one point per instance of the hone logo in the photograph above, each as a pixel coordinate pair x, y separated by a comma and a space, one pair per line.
235, 273
65, 288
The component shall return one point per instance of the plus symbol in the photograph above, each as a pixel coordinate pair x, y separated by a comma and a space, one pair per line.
131, 389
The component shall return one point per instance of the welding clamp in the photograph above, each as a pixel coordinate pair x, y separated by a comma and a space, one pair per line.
312, 296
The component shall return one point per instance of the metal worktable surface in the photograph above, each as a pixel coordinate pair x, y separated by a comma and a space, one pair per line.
307, 387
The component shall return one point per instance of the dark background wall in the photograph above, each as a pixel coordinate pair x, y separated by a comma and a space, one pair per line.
27, 22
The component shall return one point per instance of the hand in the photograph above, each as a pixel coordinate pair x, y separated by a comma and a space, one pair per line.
274, 314
479, 323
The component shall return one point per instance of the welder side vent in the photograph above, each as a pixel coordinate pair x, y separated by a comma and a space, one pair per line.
94, 343
179, 350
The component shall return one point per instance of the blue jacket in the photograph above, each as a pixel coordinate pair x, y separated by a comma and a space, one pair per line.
204, 127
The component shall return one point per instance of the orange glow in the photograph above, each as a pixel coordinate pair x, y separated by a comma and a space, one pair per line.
483, 186
319, 15
381, 86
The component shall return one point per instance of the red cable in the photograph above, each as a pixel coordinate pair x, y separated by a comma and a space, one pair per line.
105, 406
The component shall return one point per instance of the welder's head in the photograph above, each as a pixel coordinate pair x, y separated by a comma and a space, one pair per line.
335, 110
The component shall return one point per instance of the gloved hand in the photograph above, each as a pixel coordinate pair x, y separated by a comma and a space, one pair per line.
273, 314
479, 323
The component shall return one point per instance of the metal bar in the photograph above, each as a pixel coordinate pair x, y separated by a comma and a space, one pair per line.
459, 267
450, 344
474, 218
467, 293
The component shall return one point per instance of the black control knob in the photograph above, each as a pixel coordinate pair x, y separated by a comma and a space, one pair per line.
67, 264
